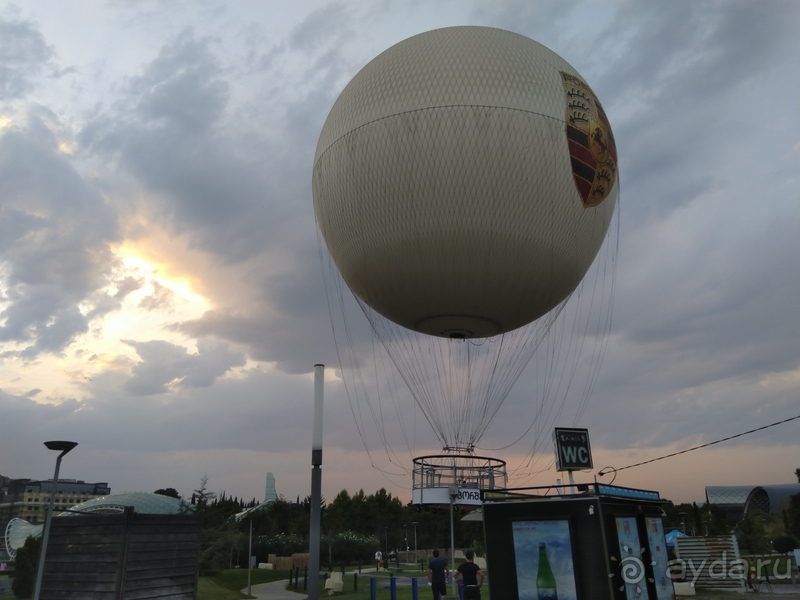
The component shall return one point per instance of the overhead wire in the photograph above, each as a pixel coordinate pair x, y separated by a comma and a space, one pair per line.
730, 437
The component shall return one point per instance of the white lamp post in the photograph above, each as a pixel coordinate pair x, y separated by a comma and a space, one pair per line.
415, 540
64, 447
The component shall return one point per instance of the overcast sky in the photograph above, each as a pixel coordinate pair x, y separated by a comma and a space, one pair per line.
162, 300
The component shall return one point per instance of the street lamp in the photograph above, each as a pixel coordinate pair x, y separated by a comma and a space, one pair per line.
415, 540
64, 447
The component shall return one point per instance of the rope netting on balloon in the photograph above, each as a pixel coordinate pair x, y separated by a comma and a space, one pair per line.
392, 375
566, 367
459, 384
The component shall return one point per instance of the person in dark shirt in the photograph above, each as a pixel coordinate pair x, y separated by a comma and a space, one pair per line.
437, 575
467, 576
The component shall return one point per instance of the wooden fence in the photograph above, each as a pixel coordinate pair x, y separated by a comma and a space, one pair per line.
126, 556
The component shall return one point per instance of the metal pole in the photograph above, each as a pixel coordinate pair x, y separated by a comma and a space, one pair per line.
46, 535
250, 556
603, 536
415, 541
452, 543
316, 484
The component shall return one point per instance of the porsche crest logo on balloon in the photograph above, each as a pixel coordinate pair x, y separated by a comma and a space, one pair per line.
591, 144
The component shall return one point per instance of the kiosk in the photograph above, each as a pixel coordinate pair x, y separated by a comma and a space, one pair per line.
587, 541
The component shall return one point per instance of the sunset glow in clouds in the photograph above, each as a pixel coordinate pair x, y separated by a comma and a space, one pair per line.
162, 298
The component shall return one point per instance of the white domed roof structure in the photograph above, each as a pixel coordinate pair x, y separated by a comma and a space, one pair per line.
18, 530
464, 182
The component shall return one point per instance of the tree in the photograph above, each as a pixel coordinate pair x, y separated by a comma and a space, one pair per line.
27, 563
714, 521
171, 492
752, 532
219, 537
784, 544
202, 497
792, 513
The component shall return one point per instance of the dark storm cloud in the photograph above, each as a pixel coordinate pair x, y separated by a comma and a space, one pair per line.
294, 342
265, 411
212, 136
680, 79
235, 196
24, 54
327, 24
163, 364
54, 236
672, 79
181, 88
174, 141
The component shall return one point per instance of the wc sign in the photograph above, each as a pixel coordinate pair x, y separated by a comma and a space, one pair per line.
573, 452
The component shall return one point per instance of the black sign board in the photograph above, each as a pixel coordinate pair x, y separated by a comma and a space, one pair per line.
573, 452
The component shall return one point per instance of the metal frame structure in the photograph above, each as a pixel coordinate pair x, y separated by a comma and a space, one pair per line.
458, 476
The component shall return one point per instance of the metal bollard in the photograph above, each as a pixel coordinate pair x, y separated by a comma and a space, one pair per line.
393, 587
372, 589
414, 591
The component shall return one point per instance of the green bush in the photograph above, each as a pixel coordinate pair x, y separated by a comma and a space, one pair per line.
281, 544
27, 563
784, 544
349, 546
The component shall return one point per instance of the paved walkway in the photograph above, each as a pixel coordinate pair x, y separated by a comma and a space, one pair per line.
275, 590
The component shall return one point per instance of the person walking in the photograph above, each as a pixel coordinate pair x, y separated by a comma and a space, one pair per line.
437, 575
751, 576
378, 559
467, 576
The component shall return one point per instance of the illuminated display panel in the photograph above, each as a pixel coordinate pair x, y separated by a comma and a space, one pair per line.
533, 575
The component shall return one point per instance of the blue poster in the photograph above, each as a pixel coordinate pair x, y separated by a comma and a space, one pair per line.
552, 577
658, 550
629, 560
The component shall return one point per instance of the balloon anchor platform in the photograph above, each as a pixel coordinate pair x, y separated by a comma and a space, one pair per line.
458, 475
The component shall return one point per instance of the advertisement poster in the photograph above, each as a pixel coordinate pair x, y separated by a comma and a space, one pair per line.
658, 549
630, 559
543, 554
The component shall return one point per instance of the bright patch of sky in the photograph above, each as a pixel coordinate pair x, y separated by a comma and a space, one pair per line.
161, 297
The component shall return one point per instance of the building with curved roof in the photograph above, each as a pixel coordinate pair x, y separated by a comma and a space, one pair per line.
737, 500
18, 530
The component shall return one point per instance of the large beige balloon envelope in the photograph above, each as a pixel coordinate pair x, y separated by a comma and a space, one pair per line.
464, 181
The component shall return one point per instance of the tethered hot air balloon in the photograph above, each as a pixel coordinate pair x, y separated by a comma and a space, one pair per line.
464, 182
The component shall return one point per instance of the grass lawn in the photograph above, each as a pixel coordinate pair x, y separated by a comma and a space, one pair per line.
208, 589
226, 584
